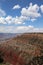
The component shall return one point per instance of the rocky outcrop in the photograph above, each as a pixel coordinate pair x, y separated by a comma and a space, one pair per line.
26, 49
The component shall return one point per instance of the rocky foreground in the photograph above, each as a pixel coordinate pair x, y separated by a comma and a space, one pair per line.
26, 49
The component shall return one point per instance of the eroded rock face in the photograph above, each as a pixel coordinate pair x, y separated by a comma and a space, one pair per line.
22, 51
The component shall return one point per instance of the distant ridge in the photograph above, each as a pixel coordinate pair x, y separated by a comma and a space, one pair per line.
4, 36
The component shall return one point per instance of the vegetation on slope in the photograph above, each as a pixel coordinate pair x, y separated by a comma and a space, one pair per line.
26, 49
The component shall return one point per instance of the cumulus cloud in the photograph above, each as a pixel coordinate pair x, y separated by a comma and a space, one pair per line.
20, 20
2, 20
8, 19
32, 12
41, 7
2, 12
13, 20
16, 7
33, 20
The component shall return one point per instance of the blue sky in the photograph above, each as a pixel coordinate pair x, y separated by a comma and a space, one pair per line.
19, 16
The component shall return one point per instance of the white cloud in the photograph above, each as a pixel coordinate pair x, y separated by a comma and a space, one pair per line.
8, 19
13, 20
20, 20
2, 20
31, 12
6, 29
19, 29
41, 7
17, 20
33, 20
26, 29
16, 7
2, 12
